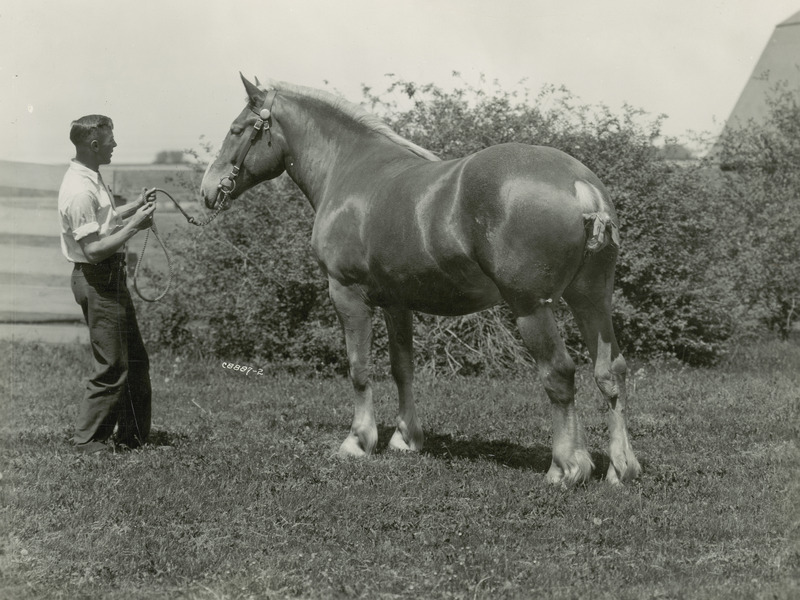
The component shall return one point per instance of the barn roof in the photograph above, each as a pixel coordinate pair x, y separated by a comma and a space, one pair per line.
779, 62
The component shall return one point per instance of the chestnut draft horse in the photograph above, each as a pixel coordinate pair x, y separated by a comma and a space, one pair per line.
399, 229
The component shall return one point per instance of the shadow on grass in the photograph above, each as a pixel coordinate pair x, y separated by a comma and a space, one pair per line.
166, 438
536, 457
33, 442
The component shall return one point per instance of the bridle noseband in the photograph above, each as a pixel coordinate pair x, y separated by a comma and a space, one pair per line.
263, 123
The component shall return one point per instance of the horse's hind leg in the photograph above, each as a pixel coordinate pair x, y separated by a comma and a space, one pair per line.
356, 319
399, 325
571, 462
589, 297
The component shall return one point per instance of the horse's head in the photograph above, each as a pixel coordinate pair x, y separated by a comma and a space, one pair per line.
252, 151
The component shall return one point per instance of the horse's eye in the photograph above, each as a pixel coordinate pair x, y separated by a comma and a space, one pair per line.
236, 129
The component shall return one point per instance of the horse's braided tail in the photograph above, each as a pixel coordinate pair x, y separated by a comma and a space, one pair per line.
600, 231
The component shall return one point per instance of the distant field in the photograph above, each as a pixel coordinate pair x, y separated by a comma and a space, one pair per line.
240, 495
182, 183
35, 178
34, 276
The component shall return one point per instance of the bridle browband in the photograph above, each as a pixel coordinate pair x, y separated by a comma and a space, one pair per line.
263, 123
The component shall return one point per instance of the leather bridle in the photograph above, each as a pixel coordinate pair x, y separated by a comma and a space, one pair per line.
263, 123
221, 201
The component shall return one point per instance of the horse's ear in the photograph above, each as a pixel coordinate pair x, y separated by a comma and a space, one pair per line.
253, 92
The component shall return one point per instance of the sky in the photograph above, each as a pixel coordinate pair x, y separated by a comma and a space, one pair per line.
167, 71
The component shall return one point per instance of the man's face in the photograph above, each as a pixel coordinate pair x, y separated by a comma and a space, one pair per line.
104, 145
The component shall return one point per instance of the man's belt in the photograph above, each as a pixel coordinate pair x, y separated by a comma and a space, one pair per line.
116, 260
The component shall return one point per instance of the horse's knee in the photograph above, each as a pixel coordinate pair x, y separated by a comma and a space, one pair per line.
359, 377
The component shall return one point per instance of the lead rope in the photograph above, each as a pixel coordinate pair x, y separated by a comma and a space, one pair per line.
152, 228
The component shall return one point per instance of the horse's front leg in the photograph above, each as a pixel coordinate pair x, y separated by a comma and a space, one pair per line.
399, 325
355, 315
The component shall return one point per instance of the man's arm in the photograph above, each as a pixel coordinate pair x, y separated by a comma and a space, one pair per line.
96, 249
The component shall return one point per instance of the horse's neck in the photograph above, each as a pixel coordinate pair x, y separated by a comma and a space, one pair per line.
321, 143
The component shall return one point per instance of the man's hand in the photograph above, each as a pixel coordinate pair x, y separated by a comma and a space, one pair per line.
138, 218
143, 217
146, 196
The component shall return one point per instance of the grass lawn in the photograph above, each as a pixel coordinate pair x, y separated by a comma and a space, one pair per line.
239, 494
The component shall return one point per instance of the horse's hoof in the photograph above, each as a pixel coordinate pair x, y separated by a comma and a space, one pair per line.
576, 470
623, 469
399, 443
354, 447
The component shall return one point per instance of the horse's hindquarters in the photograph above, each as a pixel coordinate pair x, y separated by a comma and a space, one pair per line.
526, 220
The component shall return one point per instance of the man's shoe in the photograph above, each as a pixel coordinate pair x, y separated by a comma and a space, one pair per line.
92, 447
126, 445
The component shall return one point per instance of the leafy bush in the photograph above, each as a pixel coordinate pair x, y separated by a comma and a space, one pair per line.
248, 288
666, 303
762, 203
707, 256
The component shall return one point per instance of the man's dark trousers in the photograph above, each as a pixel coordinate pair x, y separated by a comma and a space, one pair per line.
118, 393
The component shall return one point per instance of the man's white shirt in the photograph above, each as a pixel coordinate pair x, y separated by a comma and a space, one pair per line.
85, 206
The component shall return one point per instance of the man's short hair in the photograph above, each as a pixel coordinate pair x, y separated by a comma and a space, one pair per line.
85, 128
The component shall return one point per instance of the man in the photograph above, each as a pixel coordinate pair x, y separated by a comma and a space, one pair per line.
93, 237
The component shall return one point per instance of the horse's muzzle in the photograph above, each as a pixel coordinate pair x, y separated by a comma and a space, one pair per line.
210, 201
220, 200
225, 188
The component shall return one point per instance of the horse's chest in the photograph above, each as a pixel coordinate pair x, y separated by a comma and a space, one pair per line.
338, 241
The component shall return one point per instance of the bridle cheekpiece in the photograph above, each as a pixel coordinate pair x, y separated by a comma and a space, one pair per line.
263, 123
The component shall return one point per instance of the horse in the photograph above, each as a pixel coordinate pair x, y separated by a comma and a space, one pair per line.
398, 229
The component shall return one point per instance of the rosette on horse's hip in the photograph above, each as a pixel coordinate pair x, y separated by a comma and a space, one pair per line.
397, 229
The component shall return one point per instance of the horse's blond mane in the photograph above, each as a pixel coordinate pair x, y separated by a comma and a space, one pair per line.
355, 112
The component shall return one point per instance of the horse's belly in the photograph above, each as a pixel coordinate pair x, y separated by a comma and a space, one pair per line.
449, 291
